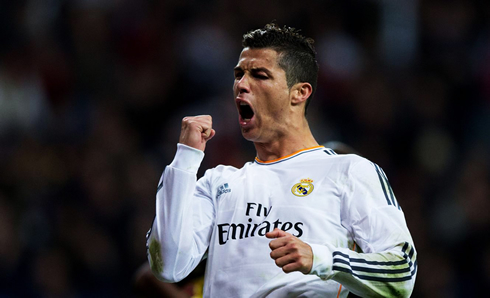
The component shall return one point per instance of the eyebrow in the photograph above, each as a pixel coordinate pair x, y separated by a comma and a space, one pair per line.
254, 70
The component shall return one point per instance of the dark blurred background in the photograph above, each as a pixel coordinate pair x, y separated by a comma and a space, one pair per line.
92, 94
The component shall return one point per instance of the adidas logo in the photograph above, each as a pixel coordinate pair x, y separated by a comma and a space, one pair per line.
223, 189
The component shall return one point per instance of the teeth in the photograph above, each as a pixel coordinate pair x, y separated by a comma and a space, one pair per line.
243, 104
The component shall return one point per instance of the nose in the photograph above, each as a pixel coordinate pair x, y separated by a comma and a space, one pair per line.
242, 85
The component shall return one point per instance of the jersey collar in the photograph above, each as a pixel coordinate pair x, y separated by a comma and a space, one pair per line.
292, 155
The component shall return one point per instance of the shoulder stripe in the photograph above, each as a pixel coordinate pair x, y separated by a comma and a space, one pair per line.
383, 186
329, 151
392, 194
386, 186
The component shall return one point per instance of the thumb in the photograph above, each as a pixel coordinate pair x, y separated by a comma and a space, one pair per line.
277, 233
209, 136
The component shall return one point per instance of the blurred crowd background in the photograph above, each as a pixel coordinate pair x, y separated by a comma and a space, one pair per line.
92, 93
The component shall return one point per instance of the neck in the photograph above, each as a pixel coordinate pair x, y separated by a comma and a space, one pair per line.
292, 142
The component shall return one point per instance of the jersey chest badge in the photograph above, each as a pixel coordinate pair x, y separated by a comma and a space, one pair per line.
304, 188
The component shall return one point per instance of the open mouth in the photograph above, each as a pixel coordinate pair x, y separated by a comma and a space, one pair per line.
245, 111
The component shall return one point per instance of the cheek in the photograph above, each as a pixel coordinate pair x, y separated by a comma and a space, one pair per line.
274, 108
272, 100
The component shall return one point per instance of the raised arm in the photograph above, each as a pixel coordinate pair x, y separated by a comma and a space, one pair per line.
181, 230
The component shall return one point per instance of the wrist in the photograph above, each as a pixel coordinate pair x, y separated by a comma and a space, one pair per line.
187, 158
322, 261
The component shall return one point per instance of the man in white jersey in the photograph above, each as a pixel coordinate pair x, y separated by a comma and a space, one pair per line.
298, 221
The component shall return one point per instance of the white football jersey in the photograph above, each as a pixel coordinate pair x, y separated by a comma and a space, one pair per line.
341, 205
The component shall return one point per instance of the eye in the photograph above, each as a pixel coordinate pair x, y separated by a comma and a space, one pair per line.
238, 75
260, 76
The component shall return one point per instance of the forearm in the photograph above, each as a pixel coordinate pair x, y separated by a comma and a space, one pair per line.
387, 267
173, 251
385, 274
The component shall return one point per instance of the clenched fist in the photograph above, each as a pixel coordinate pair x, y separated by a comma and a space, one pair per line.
196, 131
290, 253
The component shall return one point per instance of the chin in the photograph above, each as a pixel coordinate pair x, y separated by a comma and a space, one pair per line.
248, 135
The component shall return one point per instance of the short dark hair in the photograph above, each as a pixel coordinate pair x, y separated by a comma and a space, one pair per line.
297, 55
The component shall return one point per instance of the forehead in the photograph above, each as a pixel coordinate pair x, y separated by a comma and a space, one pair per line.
255, 58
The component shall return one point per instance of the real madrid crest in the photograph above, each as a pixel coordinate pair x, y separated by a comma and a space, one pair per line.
304, 188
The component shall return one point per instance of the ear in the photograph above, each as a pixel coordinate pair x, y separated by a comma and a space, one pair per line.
300, 93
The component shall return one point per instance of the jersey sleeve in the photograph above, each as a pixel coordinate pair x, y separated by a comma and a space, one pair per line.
180, 233
387, 263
